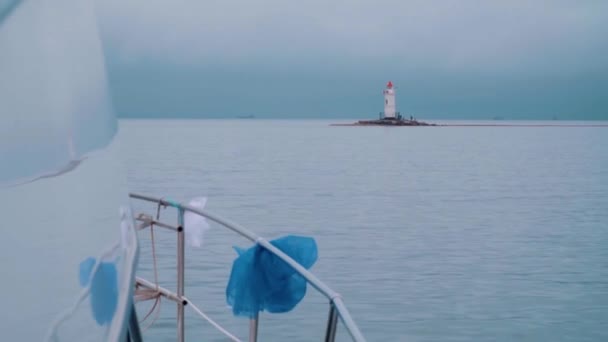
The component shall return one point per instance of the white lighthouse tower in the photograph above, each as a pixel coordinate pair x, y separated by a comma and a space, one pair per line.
390, 116
389, 101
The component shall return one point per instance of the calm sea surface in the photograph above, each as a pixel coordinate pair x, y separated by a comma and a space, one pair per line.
429, 233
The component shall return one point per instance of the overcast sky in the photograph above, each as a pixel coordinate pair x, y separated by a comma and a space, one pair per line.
272, 58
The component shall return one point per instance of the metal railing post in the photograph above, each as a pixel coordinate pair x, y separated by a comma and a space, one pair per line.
253, 328
332, 324
180, 275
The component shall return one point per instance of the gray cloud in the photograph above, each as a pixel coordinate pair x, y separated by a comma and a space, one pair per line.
463, 41
449, 34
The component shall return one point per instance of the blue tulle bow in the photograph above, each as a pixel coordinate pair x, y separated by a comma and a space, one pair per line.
261, 281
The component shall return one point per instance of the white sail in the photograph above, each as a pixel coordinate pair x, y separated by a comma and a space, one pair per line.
71, 146
59, 153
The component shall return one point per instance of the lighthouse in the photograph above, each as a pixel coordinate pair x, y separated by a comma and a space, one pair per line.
390, 116
389, 101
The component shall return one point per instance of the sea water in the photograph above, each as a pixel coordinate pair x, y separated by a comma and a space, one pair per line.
429, 233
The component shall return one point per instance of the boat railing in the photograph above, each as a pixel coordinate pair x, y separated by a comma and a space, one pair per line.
337, 307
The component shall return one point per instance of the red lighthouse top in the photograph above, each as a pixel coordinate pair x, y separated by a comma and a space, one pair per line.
389, 85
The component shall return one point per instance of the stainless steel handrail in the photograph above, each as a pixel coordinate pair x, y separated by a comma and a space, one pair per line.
335, 299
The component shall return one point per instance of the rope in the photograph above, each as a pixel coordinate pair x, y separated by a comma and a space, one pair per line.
157, 301
157, 293
154, 246
212, 322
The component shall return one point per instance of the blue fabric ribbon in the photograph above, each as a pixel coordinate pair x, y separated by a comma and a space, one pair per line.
261, 281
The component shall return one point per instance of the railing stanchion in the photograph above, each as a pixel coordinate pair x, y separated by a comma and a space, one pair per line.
332, 323
180, 275
253, 328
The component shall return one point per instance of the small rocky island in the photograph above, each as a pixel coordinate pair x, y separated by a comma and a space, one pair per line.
399, 121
